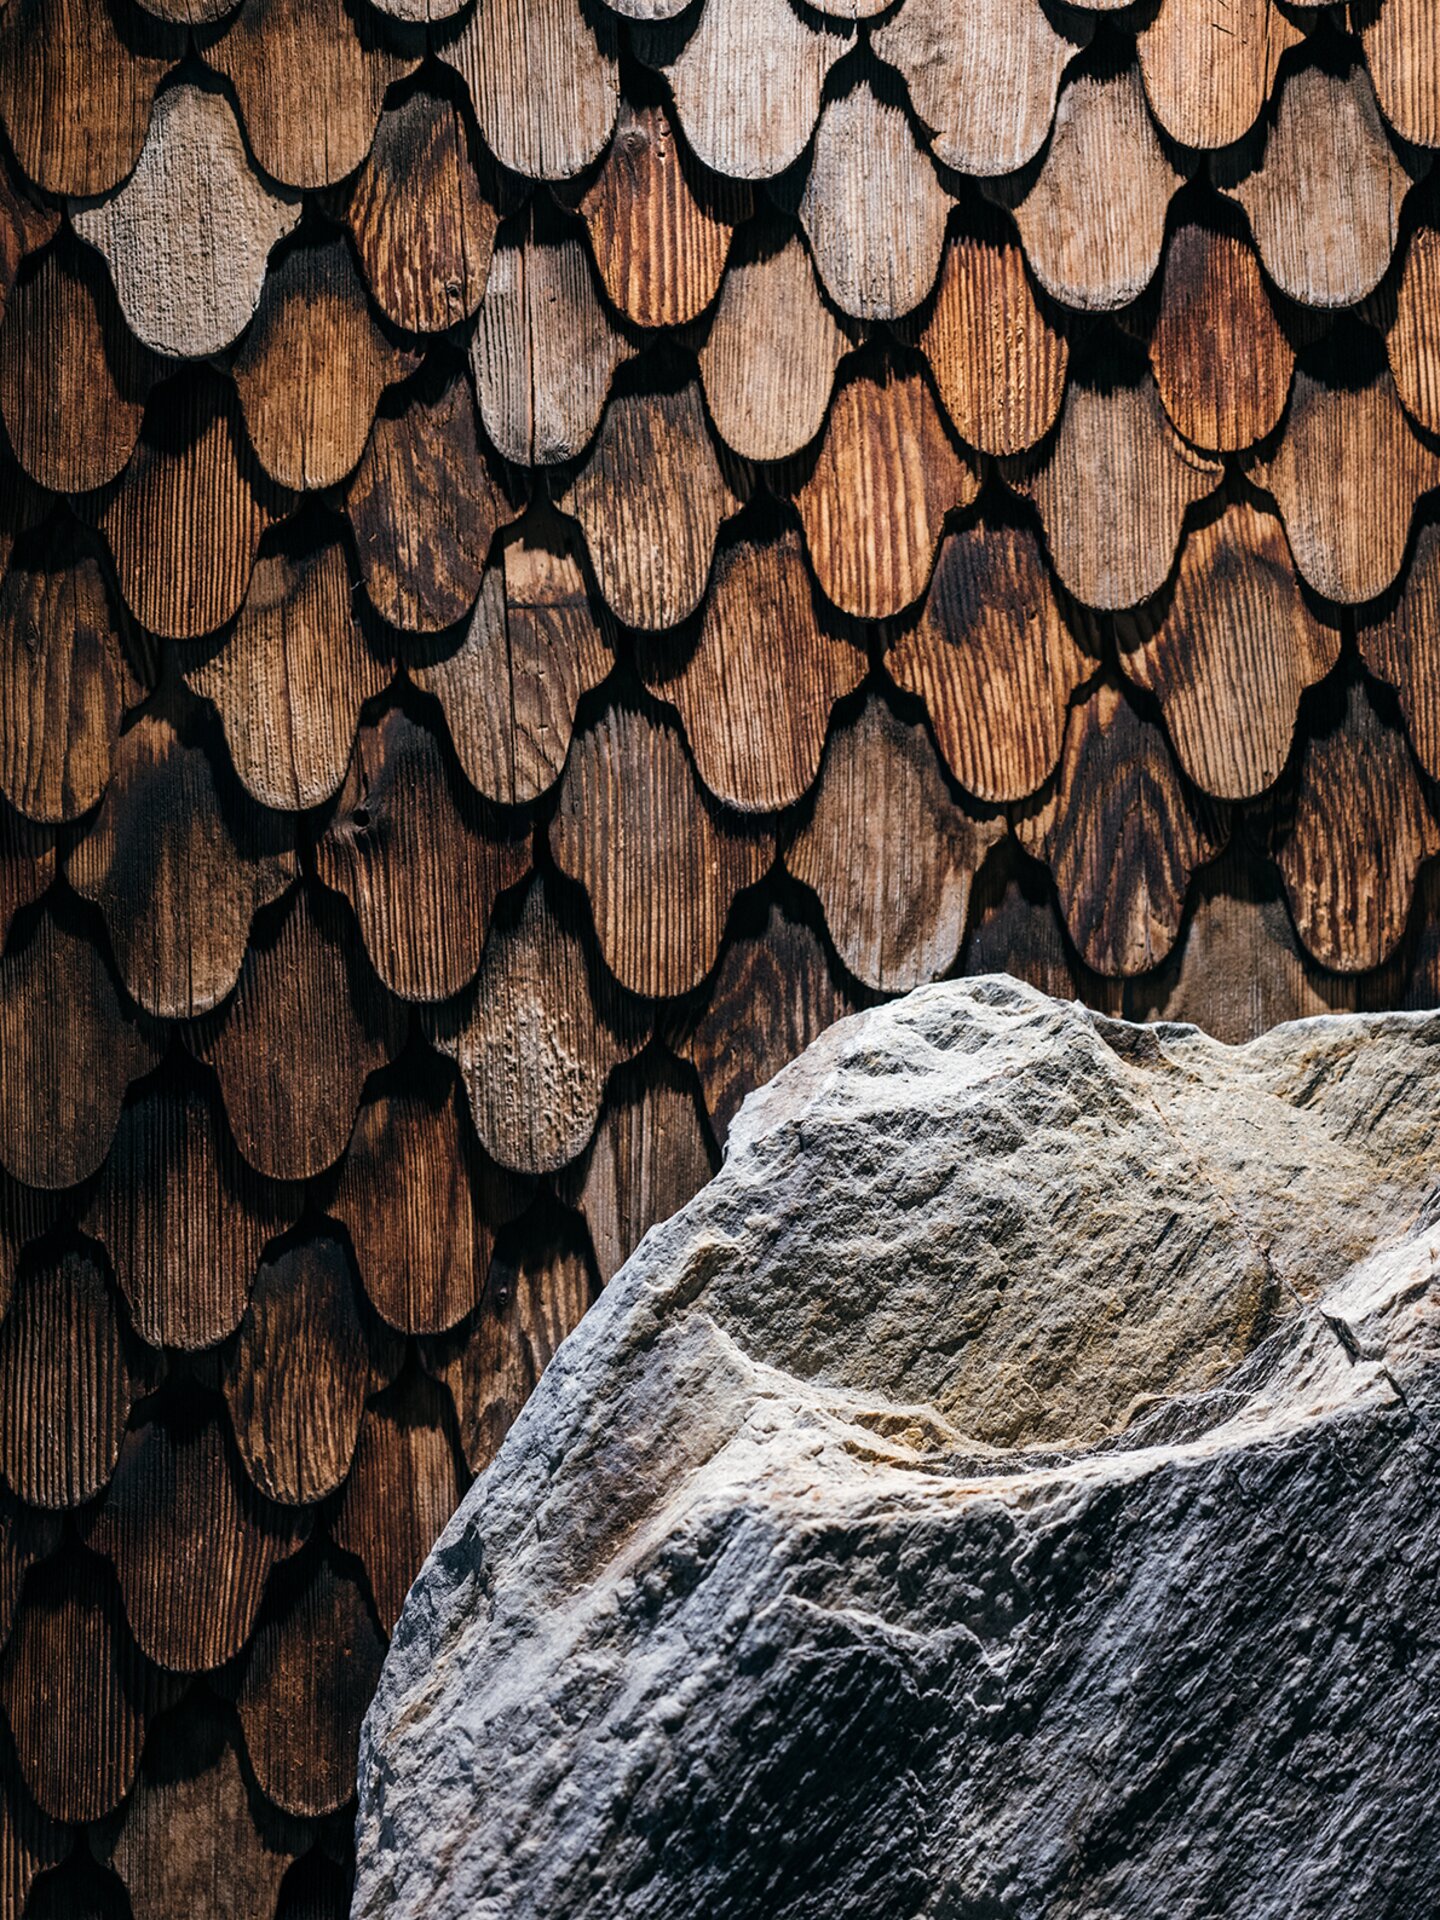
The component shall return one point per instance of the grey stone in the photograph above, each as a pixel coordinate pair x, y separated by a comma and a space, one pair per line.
1009, 1489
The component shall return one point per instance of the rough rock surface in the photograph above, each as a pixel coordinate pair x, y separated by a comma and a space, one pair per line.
1008, 1490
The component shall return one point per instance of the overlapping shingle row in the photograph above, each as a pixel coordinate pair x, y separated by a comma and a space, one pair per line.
550, 551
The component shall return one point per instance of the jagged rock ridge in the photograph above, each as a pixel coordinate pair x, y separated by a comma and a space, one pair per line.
1006, 1491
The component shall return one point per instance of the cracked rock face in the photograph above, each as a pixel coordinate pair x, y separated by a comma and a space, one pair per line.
1011, 1489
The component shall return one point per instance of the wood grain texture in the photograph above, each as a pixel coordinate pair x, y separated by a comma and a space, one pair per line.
403, 1487
310, 76
313, 1665
532, 649
296, 1376
191, 1840
1360, 832
77, 82
423, 222
543, 77
983, 76
1324, 199
190, 1539
70, 1664
1220, 358
187, 237
1121, 835
25, 227
538, 1036
417, 860
1347, 473
1113, 487
25, 1214
66, 1385
650, 500
885, 478
544, 349
1239, 969
183, 1218
1401, 39
1400, 642
1015, 928
425, 506
1230, 652
30, 1842
64, 679
995, 655
775, 992
27, 863
1413, 341
659, 225
177, 873
311, 369
768, 404
660, 865
873, 209
73, 380
185, 520
998, 358
70, 1047
419, 11
1093, 221
1209, 68
294, 1044
421, 1216
290, 677
537, 1291
891, 854
747, 83
755, 693
648, 1158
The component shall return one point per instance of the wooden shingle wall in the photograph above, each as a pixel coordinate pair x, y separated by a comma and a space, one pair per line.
550, 551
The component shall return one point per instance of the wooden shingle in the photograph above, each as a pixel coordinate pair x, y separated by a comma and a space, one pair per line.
532, 650
650, 499
1230, 651
1209, 68
544, 349
289, 678
310, 76
1400, 642
417, 860
1358, 791
543, 77
755, 693
896, 912
66, 1384
1121, 834
537, 1036
999, 358
649, 1156
661, 866
403, 1487
1324, 197
294, 1043
424, 504
296, 1375
73, 380
886, 475
64, 679
768, 405
187, 237
423, 220
190, 1539
995, 655
77, 83
177, 872
71, 1047
313, 365
984, 76
183, 1218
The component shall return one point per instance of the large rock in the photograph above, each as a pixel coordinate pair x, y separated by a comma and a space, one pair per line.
1008, 1490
